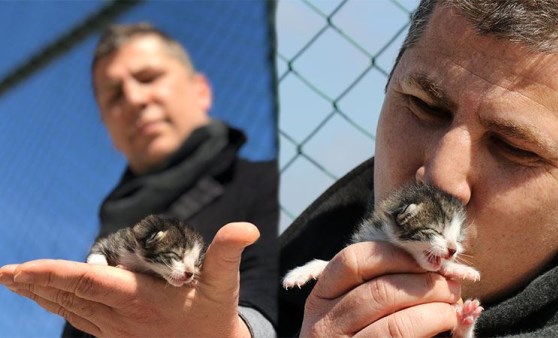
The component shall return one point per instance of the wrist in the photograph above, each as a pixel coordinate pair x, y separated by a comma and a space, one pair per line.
243, 329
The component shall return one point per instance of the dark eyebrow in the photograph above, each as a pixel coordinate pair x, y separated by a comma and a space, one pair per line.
433, 89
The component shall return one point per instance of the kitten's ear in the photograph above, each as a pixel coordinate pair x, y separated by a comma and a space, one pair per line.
146, 229
155, 238
406, 212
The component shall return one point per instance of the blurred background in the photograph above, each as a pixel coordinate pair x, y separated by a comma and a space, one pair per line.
303, 78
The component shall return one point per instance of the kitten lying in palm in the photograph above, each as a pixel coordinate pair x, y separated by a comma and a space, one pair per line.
427, 223
161, 246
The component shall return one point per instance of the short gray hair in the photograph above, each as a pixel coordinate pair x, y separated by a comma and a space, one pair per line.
119, 34
532, 23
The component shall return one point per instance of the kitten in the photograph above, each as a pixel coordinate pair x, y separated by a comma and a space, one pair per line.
161, 246
427, 223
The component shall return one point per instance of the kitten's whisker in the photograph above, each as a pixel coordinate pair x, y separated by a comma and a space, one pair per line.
464, 254
462, 260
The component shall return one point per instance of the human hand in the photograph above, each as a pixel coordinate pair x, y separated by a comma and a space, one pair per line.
108, 301
373, 289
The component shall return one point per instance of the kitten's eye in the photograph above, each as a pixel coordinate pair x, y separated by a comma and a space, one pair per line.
430, 233
173, 255
421, 234
427, 113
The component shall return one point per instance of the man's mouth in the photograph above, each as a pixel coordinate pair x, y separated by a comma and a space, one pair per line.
148, 128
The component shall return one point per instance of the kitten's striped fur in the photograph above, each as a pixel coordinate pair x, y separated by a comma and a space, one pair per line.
163, 246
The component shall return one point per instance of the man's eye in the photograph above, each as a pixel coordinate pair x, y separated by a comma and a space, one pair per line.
515, 153
428, 113
173, 256
147, 77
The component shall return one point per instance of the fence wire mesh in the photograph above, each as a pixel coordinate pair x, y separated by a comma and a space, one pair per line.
333, 60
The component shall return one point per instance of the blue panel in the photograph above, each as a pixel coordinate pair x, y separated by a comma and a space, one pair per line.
28, 26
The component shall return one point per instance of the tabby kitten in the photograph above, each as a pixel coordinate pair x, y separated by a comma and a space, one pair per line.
162, 246
427, 223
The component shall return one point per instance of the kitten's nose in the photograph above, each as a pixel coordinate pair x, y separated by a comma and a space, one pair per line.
188, 274
451, 252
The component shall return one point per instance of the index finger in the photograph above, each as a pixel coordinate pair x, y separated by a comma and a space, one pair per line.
362, 262
104, 284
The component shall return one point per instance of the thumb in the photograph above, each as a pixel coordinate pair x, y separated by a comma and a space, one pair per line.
220, 271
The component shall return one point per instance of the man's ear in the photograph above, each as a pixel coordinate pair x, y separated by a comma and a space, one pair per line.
205, 94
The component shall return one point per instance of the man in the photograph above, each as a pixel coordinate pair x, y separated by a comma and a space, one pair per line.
471, 107
180, 163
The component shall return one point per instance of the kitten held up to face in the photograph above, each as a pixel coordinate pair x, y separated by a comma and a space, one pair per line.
161, 246
427, 223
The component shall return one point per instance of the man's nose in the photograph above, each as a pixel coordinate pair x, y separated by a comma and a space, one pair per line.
136, 94
447, 164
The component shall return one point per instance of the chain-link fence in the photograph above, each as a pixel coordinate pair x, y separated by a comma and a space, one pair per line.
333, 61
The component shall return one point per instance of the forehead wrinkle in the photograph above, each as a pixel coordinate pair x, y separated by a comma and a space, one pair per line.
432, 88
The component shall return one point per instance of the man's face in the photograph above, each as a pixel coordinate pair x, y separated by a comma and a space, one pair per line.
478, 118
150, 102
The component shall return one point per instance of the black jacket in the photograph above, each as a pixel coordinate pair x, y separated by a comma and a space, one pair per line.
324, 228
216, 190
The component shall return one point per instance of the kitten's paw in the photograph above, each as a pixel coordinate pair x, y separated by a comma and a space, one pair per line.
467, 315
460, 271
303, 274
97, 259
469, 312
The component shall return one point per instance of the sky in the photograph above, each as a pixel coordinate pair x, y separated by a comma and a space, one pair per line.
331, 82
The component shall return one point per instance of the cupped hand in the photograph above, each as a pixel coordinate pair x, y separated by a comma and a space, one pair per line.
108, 301
373, 289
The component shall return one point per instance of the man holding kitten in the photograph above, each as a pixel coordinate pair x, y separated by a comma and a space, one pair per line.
181, 163
471, 107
